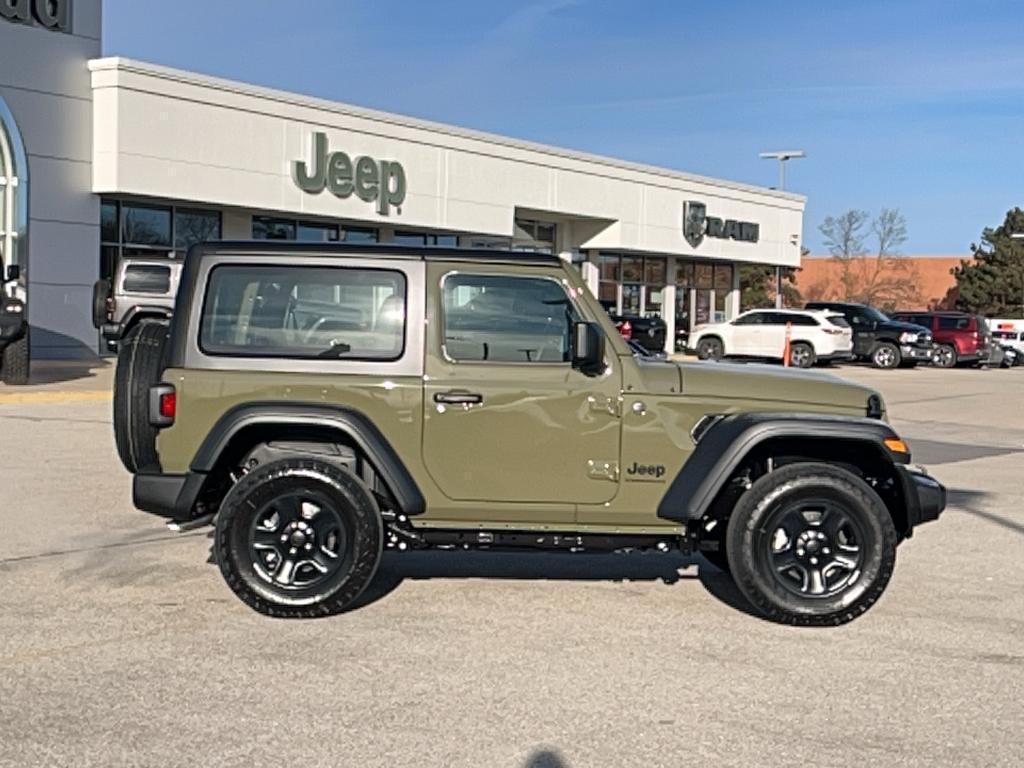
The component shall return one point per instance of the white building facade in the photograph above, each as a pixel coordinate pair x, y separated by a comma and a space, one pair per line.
169, 157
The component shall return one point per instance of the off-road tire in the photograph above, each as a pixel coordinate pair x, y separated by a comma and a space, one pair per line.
945, 356
140, 363
886, 355
328, 484
801, 355
749, 543
710, 348
15, 361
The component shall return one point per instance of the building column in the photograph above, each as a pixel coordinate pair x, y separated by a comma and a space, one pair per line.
235, 224
668, 314
732, 301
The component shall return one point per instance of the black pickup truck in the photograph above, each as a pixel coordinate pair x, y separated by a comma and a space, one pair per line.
884, 342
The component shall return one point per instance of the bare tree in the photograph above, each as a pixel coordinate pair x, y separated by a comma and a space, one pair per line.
844, 238
888, 279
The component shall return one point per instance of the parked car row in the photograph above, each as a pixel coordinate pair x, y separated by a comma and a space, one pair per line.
823, 332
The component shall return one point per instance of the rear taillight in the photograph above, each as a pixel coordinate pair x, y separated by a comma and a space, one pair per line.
168, 404
834, 331
163, 405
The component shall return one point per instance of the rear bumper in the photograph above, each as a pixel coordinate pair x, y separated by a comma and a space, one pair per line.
923, 495
171, 496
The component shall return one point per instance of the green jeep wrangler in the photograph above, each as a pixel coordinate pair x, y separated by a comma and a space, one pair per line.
324, 403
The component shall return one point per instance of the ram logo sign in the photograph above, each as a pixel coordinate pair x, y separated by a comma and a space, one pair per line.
697, 225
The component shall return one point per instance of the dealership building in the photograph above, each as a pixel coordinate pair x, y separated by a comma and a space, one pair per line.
103, 158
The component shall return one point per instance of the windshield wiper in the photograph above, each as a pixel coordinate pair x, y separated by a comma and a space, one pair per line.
337, 349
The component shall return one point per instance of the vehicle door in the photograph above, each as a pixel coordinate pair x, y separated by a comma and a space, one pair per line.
507, 419
743, 334
771, 339
863, 331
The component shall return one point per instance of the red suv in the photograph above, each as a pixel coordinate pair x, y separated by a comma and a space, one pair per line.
959, 337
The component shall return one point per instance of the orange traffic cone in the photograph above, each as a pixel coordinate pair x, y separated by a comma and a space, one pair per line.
785, 347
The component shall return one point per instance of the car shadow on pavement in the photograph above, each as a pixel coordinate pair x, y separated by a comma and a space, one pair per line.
548, 566
969, 500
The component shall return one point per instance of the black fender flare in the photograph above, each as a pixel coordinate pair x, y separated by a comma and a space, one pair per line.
352, 423
722, 447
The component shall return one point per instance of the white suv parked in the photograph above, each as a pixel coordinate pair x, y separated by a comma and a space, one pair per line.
815, 337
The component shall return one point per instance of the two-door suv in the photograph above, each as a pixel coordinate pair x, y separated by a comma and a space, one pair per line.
327, 402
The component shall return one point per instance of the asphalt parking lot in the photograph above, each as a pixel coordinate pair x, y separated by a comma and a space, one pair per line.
120, 644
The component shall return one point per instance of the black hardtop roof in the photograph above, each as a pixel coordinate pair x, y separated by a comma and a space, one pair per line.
372, 250
812, 304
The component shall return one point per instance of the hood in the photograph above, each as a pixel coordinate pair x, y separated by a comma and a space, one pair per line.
768, 384
899, 325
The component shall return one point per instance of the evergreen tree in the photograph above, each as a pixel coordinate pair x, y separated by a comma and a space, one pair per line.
993, 284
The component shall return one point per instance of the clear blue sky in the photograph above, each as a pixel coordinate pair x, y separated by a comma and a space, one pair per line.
914, 105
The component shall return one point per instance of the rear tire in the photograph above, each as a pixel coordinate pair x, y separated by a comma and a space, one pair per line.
298, 538
710, 348
801, 355
811, 544
140, 363
886, 356
15, 362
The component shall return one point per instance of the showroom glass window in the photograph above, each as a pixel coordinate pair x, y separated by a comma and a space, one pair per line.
144, 229
506, 319
271, 228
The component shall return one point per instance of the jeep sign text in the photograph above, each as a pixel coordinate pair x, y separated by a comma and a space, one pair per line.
50, 14
372, 180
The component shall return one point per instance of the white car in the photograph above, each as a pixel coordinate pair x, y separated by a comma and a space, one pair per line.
1009, 334
816, 336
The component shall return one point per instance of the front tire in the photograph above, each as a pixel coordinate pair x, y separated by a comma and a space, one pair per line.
710, 349
298, 538
886, 356
812, 545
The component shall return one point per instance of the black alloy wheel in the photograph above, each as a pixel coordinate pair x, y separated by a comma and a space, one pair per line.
886, 355
811, 544
298, 538
710, 349
944, 356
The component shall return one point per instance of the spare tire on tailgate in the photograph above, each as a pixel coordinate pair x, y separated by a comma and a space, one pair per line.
100, 294
140, 363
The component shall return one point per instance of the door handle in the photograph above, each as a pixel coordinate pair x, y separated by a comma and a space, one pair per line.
458, 397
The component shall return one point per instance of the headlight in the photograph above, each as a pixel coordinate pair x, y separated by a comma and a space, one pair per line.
14, 307
908, 338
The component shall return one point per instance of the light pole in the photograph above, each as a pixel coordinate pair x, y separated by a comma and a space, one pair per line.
782, 155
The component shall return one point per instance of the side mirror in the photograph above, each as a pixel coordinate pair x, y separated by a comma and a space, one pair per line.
13, 272
588, 348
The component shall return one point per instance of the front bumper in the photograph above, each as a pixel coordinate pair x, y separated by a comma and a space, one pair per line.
917, 353
923, 495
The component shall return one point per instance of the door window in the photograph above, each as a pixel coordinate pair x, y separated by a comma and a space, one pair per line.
506, 319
